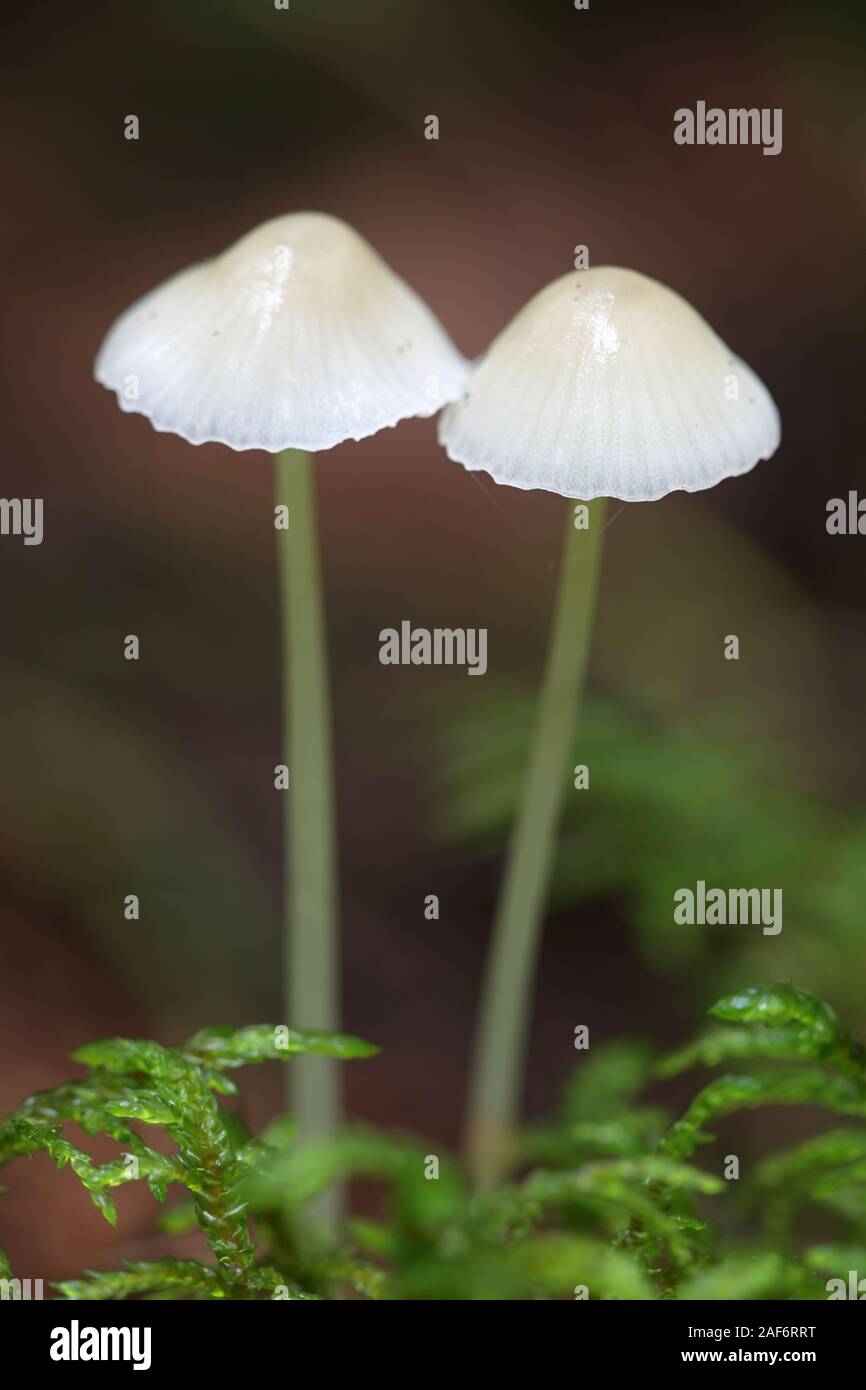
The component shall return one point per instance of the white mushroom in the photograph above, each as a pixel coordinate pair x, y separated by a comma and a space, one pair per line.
299, 336
608, 384
294, 339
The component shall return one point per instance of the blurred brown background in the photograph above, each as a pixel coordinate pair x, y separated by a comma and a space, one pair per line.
556, 128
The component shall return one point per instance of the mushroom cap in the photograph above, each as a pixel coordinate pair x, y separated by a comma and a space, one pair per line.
608, 384
298, 336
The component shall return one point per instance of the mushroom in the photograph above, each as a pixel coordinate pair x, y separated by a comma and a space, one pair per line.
299, 336
296, 338
606, 384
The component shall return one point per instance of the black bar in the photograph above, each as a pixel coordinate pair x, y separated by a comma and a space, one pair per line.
245, 1339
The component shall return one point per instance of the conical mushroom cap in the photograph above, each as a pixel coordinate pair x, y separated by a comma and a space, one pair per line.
298, 336
608, 384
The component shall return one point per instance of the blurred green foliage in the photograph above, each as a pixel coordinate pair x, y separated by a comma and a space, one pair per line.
668, 806
605, 1200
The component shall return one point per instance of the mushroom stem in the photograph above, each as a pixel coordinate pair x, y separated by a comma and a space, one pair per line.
511, 961
310, 860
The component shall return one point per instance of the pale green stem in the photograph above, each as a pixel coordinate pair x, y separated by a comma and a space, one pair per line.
310, 860
497, 1077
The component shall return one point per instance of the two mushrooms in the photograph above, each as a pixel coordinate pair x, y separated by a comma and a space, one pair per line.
606, 384
299, 336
